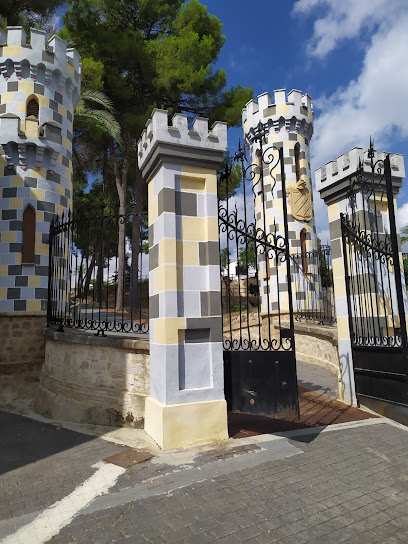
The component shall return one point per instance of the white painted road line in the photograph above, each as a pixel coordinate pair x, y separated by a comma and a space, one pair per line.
53, 519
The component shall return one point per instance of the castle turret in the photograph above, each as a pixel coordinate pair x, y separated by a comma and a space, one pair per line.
287, 122
39, 88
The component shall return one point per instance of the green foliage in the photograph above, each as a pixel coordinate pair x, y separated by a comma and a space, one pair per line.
405, 262
34, 11
404, 235
226, 190
326, 274
224, 257
247, 255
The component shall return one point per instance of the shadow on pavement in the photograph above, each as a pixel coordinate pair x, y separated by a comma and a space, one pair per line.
24, 441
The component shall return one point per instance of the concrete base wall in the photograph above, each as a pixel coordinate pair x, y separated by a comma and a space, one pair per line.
92, 379
22, 342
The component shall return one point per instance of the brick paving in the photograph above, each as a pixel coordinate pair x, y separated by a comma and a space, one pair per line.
347, 486
315, 408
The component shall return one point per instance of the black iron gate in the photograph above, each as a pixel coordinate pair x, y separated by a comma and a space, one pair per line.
259, 353
374, 285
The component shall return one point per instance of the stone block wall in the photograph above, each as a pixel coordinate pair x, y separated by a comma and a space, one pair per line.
17, 355
92, 379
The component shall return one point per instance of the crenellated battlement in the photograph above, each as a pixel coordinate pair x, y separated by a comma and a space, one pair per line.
51, 64
346, 165
292, 113
158, 131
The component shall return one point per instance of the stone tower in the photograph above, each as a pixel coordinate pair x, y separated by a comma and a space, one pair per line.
288, 122
39, 88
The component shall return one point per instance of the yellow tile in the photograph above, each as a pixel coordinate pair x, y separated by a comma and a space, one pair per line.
70, 68
33, 281
310, 114
343, 330
66, 143
338, 270
18, 258
43, 100
187, 253
16, 203
33, 305
300, 139
333, 211
11, 50
6, 98
39, 216
16, 181
60, 190
59, 209
289, 144
192, 184
200, 229
209, 174
167, 251
153, 210
282, 108
3, 270
59, 160
8, 236
37, 194
41, 249
166, 330
21, 108
3, 293
31, 128
167, 277
26, 86
62, 110
38, 173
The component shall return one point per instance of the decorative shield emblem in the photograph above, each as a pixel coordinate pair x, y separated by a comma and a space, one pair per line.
300, 199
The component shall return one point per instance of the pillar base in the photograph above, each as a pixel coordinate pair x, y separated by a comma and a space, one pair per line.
180, 425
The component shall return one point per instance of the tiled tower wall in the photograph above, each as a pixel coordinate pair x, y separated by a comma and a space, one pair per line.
36, 157
289, 120
186, 352
333, 182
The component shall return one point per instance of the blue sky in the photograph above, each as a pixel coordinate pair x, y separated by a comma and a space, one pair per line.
349, 55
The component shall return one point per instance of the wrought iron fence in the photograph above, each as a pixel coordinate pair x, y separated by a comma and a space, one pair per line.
312, 277
98, 277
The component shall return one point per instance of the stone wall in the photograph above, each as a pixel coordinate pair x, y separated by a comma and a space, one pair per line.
22, 342
89, 379
317, 344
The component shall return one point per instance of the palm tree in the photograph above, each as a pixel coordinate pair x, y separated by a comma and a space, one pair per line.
85, 112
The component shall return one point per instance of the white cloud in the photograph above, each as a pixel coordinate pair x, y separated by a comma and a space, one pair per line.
375, 103
345, 19
402, 216
372, 105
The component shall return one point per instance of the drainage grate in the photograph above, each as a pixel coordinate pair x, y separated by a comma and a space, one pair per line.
129, 457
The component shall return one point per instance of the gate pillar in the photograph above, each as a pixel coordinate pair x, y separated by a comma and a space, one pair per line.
334, 182
186, 404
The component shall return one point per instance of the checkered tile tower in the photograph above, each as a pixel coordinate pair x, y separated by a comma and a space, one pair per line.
186, 403
289, 120
333, 184
35, 159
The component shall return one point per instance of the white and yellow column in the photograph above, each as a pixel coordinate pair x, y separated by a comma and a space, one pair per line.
186, 404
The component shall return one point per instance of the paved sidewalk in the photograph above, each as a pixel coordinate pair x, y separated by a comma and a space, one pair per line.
346, 483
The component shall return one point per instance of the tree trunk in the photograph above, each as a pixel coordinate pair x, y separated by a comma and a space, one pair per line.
88, 276
136, 246
121, 185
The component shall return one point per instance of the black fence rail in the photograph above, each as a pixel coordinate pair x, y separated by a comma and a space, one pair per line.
98, 272
312, 280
